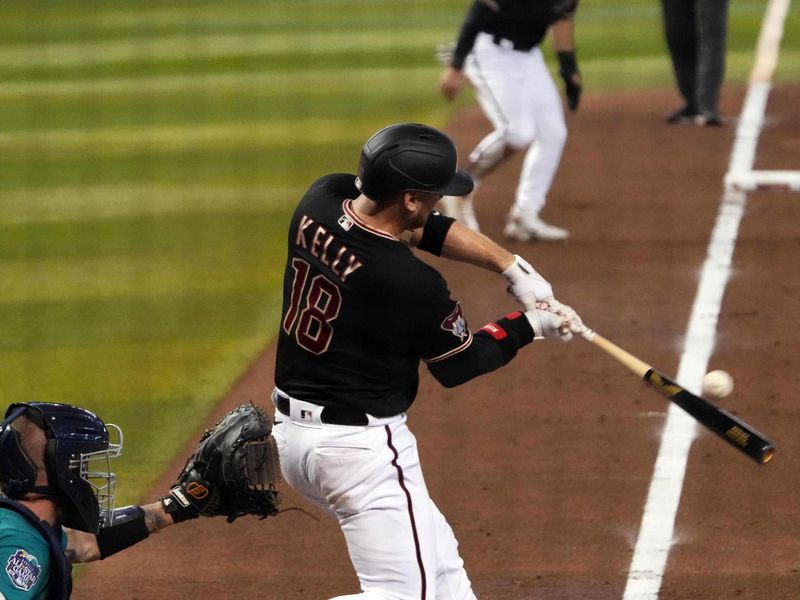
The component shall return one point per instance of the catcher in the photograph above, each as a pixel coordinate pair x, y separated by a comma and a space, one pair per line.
57, 506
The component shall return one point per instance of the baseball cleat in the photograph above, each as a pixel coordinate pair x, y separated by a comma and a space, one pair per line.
682, 115
709, 119
528, 228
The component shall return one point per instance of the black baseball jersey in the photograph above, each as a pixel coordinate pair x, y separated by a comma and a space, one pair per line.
360, 310
524, 23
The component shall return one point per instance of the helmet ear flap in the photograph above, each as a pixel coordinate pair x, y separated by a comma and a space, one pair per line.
17, 470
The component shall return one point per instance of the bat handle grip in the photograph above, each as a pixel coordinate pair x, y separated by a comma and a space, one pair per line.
636, 365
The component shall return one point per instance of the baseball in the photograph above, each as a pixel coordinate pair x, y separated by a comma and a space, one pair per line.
717, 384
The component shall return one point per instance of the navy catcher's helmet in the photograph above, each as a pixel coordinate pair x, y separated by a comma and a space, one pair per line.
410, 157
77, 457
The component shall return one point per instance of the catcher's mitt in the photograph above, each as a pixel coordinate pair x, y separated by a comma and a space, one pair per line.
233, 472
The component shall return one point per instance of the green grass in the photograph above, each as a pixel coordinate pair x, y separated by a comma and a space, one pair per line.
151, 153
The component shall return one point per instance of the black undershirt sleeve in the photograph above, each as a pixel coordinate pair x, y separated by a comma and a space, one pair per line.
434, 232
479, 15
493, 346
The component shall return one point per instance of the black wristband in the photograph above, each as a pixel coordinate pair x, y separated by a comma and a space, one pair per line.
434, 232
178, 507
127, 528
568, 63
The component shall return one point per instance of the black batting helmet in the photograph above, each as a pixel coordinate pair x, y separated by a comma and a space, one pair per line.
77, 459
410, 157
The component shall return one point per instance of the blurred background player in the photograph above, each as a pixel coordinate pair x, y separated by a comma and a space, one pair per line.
696, 32
58, 499
498, 51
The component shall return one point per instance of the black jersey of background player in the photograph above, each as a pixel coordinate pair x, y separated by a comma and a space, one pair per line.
359, 309
522, 22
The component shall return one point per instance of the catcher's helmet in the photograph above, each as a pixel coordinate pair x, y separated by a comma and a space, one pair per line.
76, 440
410, 157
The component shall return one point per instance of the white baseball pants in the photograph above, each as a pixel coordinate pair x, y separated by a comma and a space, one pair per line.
523, 104
370, 479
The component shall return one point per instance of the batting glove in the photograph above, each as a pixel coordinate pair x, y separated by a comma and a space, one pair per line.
525, 284
572, 321
548, 324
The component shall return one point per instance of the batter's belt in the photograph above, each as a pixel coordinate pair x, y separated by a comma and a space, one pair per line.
511, 44
332, 415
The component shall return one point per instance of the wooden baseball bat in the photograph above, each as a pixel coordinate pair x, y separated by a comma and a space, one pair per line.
730, 428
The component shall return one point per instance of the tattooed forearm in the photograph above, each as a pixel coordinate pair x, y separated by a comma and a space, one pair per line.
155, 518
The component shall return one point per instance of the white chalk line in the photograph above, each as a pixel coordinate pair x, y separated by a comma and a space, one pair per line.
658, 522
740, 174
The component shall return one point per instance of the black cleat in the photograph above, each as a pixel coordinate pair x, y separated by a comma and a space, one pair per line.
682, 115
709, 119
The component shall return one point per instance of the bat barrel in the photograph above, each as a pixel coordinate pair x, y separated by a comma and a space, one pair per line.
730, 428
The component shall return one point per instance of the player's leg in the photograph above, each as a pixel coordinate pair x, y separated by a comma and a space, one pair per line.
294, 443
390, 524
542, 158
680, 33
452, 582
494, 73
712, 25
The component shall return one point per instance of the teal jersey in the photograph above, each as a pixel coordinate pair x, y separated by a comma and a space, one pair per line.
24, 558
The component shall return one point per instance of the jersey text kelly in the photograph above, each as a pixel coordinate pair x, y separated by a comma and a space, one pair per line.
322, 245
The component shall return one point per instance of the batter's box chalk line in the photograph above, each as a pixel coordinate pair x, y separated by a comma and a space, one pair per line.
758, 180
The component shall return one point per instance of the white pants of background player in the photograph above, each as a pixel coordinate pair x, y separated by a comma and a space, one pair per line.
370, 479
523, 104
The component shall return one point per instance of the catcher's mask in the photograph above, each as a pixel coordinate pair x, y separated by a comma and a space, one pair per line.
410, 157
77, 458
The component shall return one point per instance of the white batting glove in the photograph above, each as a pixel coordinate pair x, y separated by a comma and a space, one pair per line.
525, 284
572, 322
547, 324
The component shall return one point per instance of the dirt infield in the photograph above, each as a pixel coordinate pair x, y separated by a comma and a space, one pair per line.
543, 467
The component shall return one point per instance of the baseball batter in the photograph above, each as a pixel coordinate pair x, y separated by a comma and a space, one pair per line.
360, 312
498, 51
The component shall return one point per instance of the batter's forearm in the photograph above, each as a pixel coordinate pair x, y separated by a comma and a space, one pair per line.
494, 346
465, 245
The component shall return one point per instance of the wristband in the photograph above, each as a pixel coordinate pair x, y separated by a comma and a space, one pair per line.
178, 506
568, 63
127, 528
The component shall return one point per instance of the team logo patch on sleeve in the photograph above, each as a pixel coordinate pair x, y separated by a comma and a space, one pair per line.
455, 323
23, 569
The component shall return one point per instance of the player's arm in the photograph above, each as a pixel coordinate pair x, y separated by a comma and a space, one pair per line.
131, 525
495, 345
443, 236
563, 34
451, 81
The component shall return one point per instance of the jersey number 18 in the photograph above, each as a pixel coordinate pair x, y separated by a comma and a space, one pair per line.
321, 302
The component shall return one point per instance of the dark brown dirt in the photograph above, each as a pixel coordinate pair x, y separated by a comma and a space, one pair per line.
542, 468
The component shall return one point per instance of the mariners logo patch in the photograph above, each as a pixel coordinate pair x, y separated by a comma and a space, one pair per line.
23, 570
455, 323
